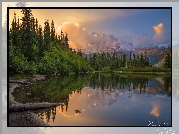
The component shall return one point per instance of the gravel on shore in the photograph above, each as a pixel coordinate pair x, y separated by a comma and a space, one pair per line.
26, 118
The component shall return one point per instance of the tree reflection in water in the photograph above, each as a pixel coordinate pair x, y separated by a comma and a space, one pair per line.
59, 89
46, 114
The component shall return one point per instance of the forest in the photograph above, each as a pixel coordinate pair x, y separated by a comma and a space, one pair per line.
114, 61
34, 49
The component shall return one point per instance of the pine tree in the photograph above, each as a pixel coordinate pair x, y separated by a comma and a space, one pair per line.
146, 60
66, 43
142, 61
40, 41
130, 60
14, 31
52, 32
47, 38
167, 61
27, 34
123, 61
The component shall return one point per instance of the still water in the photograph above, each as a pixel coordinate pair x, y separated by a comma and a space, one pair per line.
103, 99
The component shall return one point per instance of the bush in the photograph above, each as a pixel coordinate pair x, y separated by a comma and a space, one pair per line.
17, 61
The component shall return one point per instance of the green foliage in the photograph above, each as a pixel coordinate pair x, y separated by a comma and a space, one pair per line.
58, 61
99, 61
167, 61
143, 69
53, 89
58, 89
33, 51
17, 61
106, 69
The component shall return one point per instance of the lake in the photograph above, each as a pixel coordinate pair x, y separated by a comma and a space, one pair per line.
103, 99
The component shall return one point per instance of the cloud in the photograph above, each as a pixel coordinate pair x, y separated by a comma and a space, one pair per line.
79, 38
158, 29
158, 38
156, 110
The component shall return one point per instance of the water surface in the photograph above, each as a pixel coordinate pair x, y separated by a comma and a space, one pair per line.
103, 99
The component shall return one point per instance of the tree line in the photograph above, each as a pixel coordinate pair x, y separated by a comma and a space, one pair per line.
33, 50
112, 61
106, 61
127, 81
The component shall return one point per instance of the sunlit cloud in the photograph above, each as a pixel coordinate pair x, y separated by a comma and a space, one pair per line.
78, 37
89, 44
89, 95
76, 114
158, 38
77, 24
159, 29
155, 110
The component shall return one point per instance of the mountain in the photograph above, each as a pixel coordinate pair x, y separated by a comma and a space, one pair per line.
160, 63
109, 43
155, 55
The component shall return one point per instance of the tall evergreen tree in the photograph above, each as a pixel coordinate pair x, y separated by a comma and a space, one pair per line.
52, 32
47, 38
167, 61
27, 40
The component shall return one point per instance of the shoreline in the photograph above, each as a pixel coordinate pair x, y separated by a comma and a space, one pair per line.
132, 72
26, 117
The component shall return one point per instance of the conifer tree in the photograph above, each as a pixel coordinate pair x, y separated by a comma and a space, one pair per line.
167, 61
27, 34
47, 39
52, 32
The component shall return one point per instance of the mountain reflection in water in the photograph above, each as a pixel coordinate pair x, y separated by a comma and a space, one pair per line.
103, 99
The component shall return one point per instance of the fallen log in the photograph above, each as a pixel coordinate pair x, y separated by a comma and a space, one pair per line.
31, 106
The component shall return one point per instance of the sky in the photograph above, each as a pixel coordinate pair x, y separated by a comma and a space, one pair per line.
141, 27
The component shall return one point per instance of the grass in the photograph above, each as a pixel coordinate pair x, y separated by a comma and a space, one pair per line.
143, 69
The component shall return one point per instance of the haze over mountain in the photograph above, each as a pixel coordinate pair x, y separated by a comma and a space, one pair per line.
80, 38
